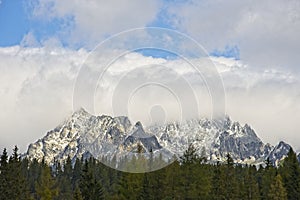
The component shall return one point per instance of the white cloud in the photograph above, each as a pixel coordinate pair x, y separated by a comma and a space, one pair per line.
93, 20
266, 32
36, 88
33, 82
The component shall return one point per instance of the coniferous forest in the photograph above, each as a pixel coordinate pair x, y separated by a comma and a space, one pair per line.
189, 177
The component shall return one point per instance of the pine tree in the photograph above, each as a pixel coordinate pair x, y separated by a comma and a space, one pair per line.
91, 188
130, 185
190, 156
4, 175
251, 185
3, 160
16, 185
290, 173
218, 182
77, 194
45, 186
76, 172
146, 192
195, 179
33, 174
277, 190
171, 180
268, 174
109, 177
231, 185
64, 178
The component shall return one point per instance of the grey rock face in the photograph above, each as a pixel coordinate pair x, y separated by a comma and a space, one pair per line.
107, 136
279, 152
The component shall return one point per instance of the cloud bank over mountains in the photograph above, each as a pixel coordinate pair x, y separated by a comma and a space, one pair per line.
37, 87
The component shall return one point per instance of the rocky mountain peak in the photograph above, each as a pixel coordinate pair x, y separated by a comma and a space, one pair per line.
279, 152
108, 136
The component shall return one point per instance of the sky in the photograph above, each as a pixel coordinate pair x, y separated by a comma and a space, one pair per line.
53, 54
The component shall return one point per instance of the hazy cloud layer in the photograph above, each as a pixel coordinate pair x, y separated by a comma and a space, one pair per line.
36, 89
266, 32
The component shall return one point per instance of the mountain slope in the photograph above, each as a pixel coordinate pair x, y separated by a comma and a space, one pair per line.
101, 136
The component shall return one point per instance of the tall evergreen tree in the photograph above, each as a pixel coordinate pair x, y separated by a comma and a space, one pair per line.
172, 180
251, 185
231, 185
195, 177
146, 192
218, 182
130, 186
4, 175
77, 194
277, 190
17, 187
64, 178
76, 172
91, 188
268, 174
46, 188
290, 172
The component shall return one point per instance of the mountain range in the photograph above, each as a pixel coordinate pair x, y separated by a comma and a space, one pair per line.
84, 134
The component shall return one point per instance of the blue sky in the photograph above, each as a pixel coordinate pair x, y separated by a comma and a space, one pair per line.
17, 20
14, 22
261, 33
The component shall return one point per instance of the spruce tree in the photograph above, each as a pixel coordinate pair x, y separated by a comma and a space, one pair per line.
251, 185
77, 194
231, 185
45, 185
91, 188
33, 174
76, 172
64, 178
4, 175
195, 179
146, 192
290, 172
156, 181
218, 182
17, 187
171, 181
268, 174
277, 190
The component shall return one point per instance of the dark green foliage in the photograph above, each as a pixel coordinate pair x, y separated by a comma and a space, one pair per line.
45, 186
251, 189
231, 184
13, 179
64, 177
277, 191
76, 173
290, 173
190, 177
146, 192
77, 194
196, 179
266, 176
91, 187
4, 175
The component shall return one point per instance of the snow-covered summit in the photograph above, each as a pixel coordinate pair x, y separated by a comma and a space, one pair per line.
103, 135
